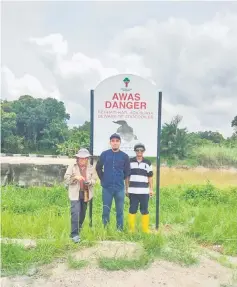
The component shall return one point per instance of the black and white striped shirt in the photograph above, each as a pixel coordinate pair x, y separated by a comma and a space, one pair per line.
140, 171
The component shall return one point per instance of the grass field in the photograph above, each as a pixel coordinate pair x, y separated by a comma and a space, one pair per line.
210, 156
201, 215
174, 176
214, 156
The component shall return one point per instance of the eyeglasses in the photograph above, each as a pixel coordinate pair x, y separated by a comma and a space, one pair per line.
139, 149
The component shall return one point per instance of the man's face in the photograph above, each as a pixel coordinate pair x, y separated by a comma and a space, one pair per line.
139, 152
82, 161
115, 143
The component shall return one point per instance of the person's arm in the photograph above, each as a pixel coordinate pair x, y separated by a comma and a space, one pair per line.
127, 172
127, 185
69, 177
99, 167
150, 179
93, 176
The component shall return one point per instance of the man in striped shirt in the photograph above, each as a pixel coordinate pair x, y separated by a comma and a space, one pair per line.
140, 188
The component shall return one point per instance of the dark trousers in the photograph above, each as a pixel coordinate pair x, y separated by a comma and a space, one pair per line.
107, 197
78, 213
135, 199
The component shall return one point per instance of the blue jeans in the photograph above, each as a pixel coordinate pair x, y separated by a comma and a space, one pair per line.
107, 197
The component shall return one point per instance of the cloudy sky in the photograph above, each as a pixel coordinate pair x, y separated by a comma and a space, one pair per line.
62, 50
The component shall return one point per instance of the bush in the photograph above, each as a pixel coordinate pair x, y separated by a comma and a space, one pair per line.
216, 156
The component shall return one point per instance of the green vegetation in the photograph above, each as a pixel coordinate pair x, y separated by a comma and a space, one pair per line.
113, 264
196, 214
76, 264
207, 148
34, 125
211, 156
216, 156
17, 260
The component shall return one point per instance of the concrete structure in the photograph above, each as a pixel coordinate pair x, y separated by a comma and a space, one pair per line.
32, 170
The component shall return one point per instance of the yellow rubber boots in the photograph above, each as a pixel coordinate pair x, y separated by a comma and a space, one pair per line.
145, 223
131, 222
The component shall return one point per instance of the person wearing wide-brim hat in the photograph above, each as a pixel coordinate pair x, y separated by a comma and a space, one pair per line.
80, 178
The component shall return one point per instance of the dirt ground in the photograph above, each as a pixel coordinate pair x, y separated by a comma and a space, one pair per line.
207, 273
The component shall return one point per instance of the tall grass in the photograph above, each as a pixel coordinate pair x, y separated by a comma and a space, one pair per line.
211, 156
174, 176
201, 213
216, 156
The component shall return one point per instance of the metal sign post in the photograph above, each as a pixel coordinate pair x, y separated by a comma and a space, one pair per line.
158, 162
91, 145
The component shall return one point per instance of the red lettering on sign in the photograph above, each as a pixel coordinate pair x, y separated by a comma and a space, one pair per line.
122, 96
126, 97
108, 104
137, 97
122, 105
115, 97
136, 105
125, 105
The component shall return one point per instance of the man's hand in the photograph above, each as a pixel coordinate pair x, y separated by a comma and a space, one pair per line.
79, 178
126, 186
126, 193
151, 193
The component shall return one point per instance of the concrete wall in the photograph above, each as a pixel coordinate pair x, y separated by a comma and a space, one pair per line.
33, 171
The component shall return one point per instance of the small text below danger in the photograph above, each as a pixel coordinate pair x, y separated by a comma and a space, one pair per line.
125, 112
131, 116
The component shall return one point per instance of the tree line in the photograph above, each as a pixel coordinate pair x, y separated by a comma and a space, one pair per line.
35, 125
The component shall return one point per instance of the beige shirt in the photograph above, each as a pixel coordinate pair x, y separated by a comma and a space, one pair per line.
74, 187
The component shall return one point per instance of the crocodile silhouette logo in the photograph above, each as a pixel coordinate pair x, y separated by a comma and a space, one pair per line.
125, 131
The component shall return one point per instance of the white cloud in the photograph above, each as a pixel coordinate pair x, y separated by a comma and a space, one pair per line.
53, 44
130, 63
194, 65
13, 87
76, 75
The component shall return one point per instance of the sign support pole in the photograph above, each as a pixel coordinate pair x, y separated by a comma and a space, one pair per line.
158, 162
91, 146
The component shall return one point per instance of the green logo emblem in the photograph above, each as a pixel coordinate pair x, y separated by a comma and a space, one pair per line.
126, 82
